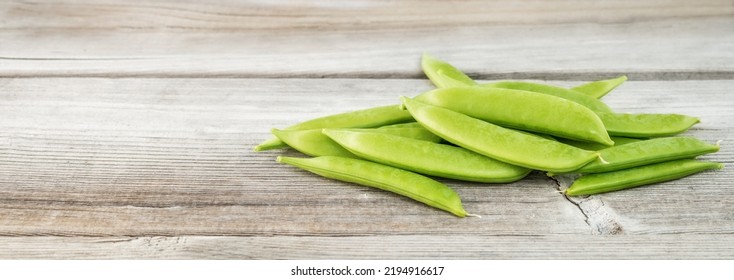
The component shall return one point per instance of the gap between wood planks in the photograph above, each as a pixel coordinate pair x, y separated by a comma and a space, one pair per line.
585, 76
558, 76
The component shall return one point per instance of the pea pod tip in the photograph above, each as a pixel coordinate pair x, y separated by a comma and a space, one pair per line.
258, 148
402, 102
567, 193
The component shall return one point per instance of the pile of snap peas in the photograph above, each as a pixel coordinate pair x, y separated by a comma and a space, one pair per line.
494, 133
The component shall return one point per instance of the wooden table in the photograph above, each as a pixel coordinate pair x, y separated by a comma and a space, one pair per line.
127, 127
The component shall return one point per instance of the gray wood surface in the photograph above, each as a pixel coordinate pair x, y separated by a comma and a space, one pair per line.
411, 246
126, 129
579, 40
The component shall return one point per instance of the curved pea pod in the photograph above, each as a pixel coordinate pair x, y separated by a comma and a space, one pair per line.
311, 142
405, 183
314, 143
638, 176
426, 157
372, 117
646, 125
599, 89
442, 74
402, 125
618, 141
648, 152
524, 110
517, 148
409, 130
580, 98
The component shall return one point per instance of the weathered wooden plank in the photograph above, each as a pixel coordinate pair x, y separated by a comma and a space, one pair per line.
304, 14
552, 40
111, 157
411, 246
660, 208
105, 157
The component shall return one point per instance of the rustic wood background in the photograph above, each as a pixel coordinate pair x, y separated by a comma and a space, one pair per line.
127, 127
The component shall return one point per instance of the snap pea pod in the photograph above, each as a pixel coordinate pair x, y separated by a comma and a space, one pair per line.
618, 141
646, 125
410, 130
638, 176
598, 89
314, 143
405, 183
648, 152
402, 125
443, 74
522, 149
425, 157
627, 125
372, 117
524, 110
580, 98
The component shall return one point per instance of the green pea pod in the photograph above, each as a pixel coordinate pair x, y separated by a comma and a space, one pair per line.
524, 110
638, 176
580, 98
522, 149
599, 89
405, 183
618, 141
648, 152
313, 142
410, 130
443, 74
646, 125
402, 125
425, 157
372, 117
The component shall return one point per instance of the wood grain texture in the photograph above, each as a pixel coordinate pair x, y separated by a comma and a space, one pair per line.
172, 157
411, 246
101, 157
572, 40
126, 128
